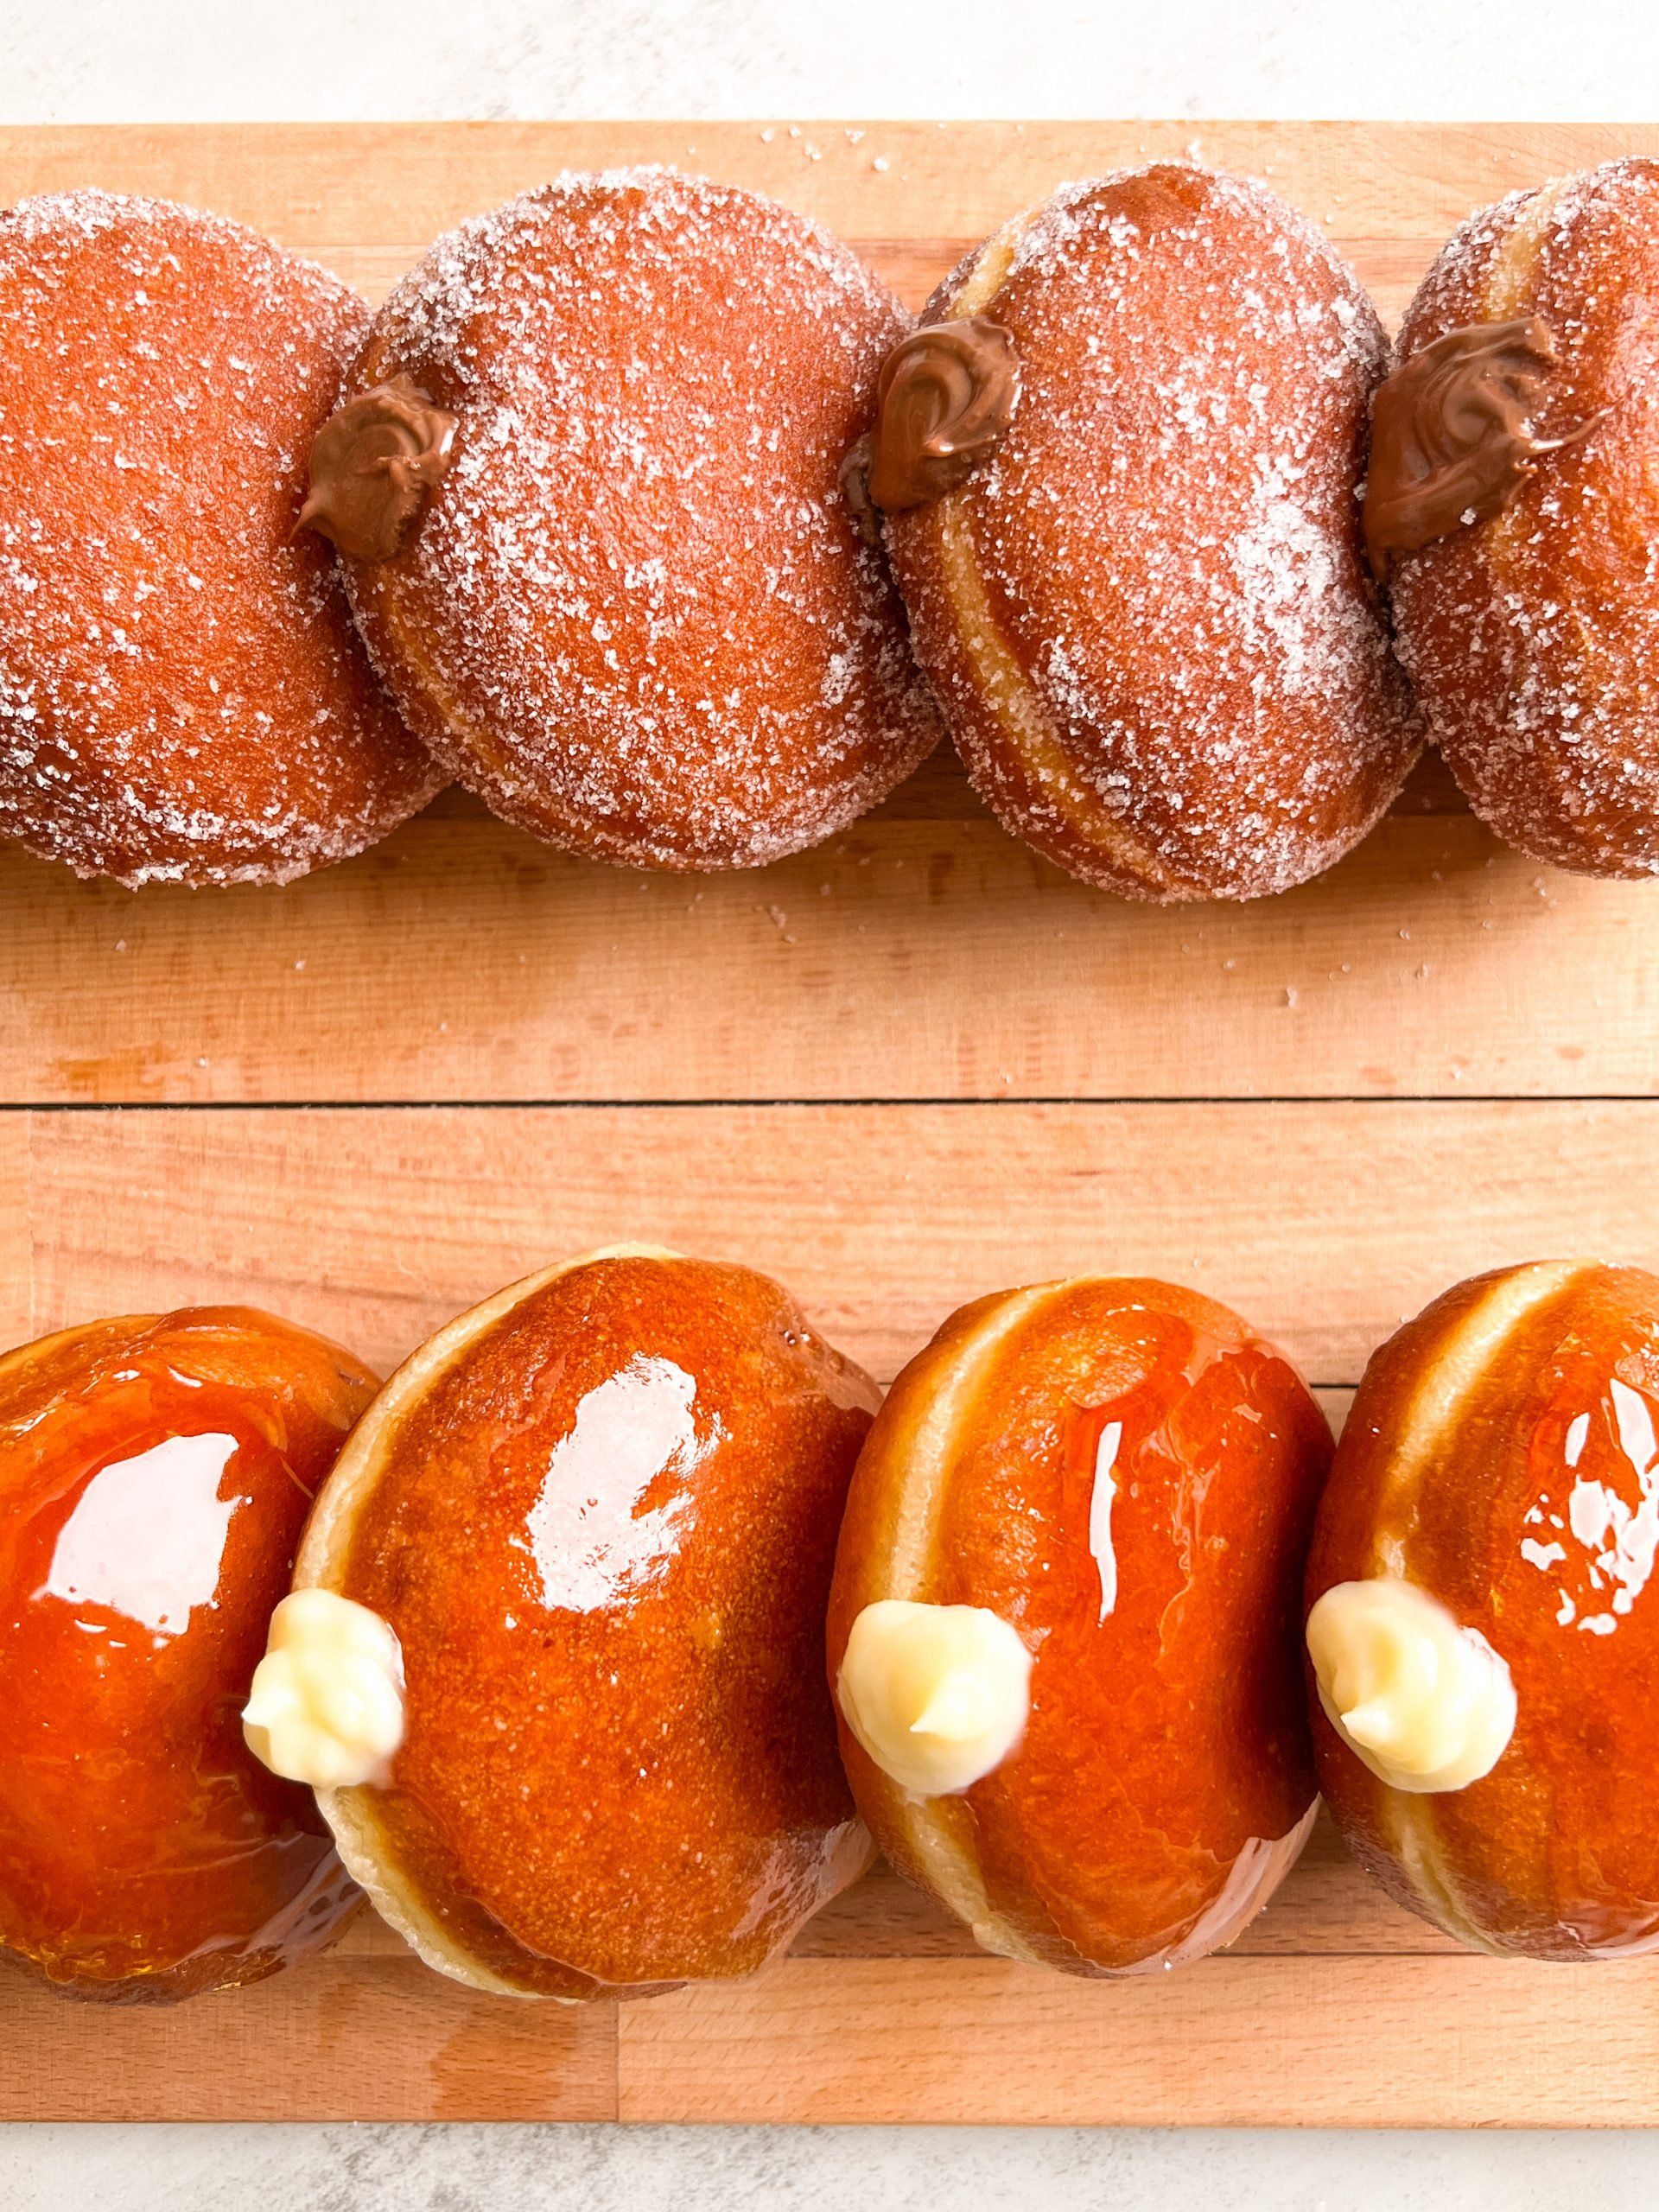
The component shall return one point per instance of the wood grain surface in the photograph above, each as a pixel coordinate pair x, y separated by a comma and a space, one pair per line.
911, 1067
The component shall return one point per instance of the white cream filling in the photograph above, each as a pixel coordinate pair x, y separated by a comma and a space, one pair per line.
326, 1704
936, 1695
1426, 1703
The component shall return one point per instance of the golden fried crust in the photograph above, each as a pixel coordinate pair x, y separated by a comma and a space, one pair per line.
155, 1475
1533, 638
636, 618
600, 1513
183, 697
1149, 617
1496, 1446
1165, 1783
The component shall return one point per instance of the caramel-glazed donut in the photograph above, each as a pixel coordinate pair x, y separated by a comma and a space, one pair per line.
1062, 1628
182, 696
1483, 1630
584, 1537
155, 1475
634, 616
1146, 611
1531, 626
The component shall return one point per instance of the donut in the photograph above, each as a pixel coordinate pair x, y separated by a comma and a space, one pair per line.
1514, 499
1119, 469
567, 1587
154, 1474
588, 487
1062, 1628
183, 698
1483, 1654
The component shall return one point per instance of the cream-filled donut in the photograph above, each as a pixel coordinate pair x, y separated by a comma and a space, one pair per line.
1063, 1631
1482, 1640
554, 1657
155, 1472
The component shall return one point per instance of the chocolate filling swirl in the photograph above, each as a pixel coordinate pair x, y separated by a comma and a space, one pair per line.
374, 465
1452, 435
944, 401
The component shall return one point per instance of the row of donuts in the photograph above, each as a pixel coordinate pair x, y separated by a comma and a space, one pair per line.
621, 1625
667, 535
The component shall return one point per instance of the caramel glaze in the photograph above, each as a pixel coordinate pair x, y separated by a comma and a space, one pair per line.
603, 1538
154, 1474
1554, 1854
1166, 1751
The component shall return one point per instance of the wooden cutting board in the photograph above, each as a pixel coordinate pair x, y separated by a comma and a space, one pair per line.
913, 1066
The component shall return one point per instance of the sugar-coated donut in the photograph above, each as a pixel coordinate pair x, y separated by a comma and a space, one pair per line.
593, 1520
1514, 489
1483, 1642
154, 1473
1062, 1628
1146, 611
627, 605
182, 696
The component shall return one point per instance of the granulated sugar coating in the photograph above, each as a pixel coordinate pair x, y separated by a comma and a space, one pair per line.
1533, 637
182, 696
1149, 617
636, 618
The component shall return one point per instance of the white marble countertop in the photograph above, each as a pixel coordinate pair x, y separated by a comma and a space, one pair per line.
110, 60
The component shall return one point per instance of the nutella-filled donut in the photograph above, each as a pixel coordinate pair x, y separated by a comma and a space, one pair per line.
554, 1657
182, 696
1120, 464
588, 488
1515, 495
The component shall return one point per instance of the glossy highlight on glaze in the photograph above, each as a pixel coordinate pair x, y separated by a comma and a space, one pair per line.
595, 1535
1127, 1476
1501, 1456
155, 1475
599, 1514
113, 1555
